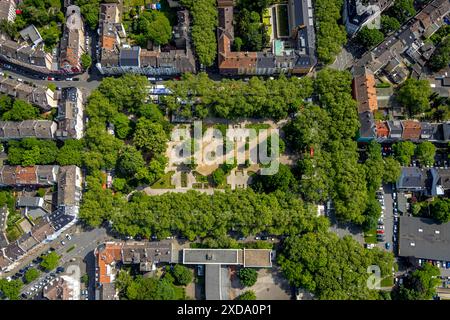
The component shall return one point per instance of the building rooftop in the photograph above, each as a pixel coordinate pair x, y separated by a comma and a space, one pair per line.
31, 34
364, 91
411, 129
422, 238
412, 178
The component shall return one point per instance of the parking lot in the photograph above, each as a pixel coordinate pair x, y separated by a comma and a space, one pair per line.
387, 229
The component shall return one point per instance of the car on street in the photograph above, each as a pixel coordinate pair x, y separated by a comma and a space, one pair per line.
50, 79
380, 227
200, 270
60, 269
68, 237
69, 79
387, 245
62, 242
380, 231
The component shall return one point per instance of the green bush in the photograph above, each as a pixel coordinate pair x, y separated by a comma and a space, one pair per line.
248, 276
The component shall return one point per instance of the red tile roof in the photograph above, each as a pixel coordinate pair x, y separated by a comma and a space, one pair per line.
382, 129
411, 129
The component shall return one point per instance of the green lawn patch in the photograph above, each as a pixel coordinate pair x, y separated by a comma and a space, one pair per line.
164, 182
387, 282
370, 236
258, 126
383, 85
200, 178
183, 179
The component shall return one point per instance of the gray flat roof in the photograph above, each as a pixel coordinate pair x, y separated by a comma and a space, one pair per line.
211, 256
213, 282
423, 238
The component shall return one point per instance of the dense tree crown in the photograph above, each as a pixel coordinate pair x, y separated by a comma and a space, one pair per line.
330, 267
414, 95
330, 34
419, 285
151, 26
204, 14
233, 99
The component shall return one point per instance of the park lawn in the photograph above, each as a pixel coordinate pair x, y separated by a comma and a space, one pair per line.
200, 178
164, 182
258, 126
370, 236
387, 282
183, 179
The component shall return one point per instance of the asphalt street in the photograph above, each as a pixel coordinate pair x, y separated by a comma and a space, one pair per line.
84, 242
86, 82
388, 219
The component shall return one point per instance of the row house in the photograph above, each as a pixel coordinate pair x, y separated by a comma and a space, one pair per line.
426, 181
73, 41
18, 176
117, 57
387, 56
411, 130
27, 52
294, 54
69, 186
14, 130
145, 255
41, 97
70, 115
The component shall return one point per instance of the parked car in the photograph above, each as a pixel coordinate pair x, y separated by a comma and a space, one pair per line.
380, 231
200, 270
380, 227
68, 237
388, 245
50, 79
62, 242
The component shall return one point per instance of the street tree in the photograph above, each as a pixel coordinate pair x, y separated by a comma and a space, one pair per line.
425, 153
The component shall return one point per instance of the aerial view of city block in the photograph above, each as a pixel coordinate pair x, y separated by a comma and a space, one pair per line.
224, 150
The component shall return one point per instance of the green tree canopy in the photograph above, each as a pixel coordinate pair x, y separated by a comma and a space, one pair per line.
183, 275
369, 37
204, 15
71, 153
21, 110
11, 289
425, 153
247, 276
414, 95
86, 61
50, 261
332, 268
389, 24
441, 56
150, 137
419, 285
31, 275
392, 170
403, 151
282, 180
151, 26
247, 295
